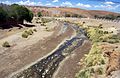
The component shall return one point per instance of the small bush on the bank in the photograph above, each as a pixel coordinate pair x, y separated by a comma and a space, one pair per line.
85, 73
30, 32
6, 44
34, 30
83, 22
43, 24
46, 29
100, 26
39, 14
111, 32
106, 32
25, 34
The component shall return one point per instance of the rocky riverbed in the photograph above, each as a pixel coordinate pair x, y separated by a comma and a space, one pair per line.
46, 67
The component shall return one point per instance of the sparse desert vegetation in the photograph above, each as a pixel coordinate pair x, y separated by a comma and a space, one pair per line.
93, 64
26, 33
6, 44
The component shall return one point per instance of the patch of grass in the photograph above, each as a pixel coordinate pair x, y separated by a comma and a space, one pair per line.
92, 63
94, 34
94, 57
85, 73
6, 44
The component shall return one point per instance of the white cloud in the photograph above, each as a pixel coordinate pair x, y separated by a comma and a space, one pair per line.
6, 2
109, 3
48, 4
84, 5
55, 1
67, 3
107, 7
28, 2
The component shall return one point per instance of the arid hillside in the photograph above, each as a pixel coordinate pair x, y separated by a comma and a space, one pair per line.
61, 11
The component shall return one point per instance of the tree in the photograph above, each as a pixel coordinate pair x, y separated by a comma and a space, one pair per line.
30, 16
3, 15
39, 14
21, 13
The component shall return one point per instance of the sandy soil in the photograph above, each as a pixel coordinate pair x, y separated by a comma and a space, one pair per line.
29, 50
70, 66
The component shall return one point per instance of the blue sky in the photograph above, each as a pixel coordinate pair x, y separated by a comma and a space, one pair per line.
108, 5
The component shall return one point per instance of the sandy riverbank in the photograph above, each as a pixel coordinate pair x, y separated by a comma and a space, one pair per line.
15, 58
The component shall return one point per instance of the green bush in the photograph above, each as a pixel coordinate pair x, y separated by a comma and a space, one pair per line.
106, 32
25, 34
39, 14
30, 32
6, 44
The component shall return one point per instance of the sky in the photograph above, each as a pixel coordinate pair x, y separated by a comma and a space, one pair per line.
107, 5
